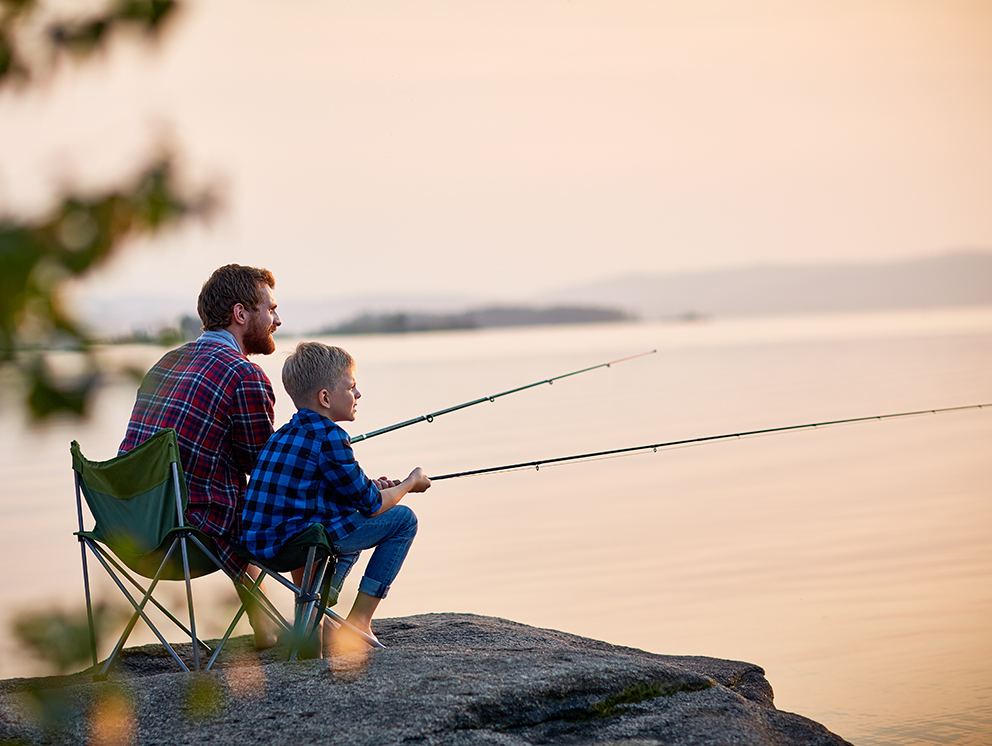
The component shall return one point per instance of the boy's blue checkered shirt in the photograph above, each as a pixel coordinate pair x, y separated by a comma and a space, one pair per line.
306, 474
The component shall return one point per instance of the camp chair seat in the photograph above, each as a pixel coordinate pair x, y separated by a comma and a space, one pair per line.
150, 563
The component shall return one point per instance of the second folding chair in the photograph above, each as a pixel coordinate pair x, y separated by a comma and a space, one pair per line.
312, 550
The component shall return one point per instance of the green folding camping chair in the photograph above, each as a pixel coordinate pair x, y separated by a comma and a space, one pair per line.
312, 550
138, 502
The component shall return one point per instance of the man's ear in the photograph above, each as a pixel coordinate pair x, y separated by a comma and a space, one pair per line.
239, 315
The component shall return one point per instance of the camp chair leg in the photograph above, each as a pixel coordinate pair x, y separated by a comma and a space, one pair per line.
138, 611
189, 590
253, 593
304, 604
248, 595
315, 600
237, 617
314, 589
325, 610
107, 556
266, 605
141, 589
189, 602
86, 574
89, 602
342, 622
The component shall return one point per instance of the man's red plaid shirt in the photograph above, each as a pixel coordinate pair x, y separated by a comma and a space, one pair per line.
221, 406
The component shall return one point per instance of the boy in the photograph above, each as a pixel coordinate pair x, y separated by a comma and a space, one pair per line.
307, 474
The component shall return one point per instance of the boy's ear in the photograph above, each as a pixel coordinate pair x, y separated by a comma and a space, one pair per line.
324, 398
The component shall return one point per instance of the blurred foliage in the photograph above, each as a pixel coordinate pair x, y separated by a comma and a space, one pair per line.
55, 711
62, 639
39, 255
52, 710
205, 696
24, 58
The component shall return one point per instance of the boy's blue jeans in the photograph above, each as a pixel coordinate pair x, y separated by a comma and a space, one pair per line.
391, 534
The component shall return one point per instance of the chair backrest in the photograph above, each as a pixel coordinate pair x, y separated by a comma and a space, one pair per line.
133, 497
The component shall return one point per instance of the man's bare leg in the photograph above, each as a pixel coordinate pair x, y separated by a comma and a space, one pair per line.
265, 628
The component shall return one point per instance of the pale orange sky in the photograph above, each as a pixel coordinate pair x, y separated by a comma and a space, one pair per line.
499, 149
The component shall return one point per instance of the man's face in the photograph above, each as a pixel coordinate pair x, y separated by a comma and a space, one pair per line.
343, 399
261, 323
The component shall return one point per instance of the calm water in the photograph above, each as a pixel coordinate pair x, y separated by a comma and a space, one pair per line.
853, 563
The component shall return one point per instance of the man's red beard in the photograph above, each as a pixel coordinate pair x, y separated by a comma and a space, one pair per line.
258, 337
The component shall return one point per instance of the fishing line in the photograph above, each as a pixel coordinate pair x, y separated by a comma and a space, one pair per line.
617, 452
430, 417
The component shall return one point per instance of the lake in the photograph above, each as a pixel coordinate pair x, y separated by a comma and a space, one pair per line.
853, 562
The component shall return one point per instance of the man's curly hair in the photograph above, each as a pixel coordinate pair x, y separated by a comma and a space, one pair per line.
228, 286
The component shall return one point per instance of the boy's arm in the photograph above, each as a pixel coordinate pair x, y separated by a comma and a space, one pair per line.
417, 481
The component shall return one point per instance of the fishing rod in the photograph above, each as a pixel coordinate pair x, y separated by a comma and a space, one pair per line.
705, 439
430, 417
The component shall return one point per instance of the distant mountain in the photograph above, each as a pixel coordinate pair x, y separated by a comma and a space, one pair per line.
958, 279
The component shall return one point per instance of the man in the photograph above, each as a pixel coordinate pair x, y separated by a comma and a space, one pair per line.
221, 406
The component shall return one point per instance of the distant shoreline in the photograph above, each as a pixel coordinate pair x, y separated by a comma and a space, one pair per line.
484, 318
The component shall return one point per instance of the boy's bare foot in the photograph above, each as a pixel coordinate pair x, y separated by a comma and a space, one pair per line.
343, 640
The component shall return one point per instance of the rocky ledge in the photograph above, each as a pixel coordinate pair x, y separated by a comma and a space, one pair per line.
442, 679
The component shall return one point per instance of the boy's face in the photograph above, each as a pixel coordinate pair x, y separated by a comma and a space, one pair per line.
342, 400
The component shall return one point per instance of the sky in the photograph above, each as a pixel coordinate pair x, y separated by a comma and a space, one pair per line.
499, 150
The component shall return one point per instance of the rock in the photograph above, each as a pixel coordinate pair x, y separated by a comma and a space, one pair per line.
455, 679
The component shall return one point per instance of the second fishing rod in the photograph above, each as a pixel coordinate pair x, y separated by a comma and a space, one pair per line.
615, 452
491, 398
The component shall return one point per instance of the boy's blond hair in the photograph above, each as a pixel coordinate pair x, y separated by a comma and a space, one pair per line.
313, 366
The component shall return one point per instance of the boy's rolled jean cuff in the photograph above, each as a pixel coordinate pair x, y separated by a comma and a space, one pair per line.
371, 587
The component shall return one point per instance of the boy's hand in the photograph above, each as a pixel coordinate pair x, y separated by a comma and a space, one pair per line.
384, 483
391, 495
420, 481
